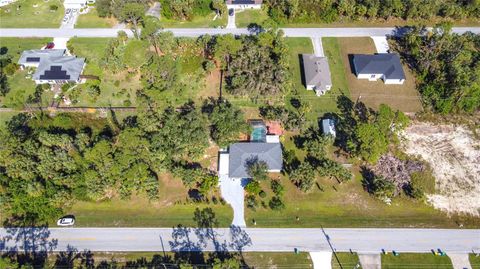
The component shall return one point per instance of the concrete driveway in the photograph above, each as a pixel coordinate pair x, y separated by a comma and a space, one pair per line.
460, 260
71, 18
321, 259
233, 193
381, 44
231, 21
318, 46
370, 261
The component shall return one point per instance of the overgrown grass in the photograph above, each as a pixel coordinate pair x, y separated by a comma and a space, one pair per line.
245, 17
116, 88
31, 14
92, 20
347, 260
416, 260
196, 22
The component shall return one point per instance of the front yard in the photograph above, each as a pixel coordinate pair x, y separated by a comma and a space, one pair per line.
196, 22
243, 18
32, 14
92, 20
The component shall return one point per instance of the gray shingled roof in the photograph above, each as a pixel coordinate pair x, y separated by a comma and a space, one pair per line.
387, 64
40, 54
317, 71
241, 153
71, 68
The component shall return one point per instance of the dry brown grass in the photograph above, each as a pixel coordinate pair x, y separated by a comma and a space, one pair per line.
373, 93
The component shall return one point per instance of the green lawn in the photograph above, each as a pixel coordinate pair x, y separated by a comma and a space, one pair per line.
21, 85
474, 261
319, 104
347, 260
17, 45
245, 17
92, 20
278, 260
196, 22
410, 260
142, 213
23, 14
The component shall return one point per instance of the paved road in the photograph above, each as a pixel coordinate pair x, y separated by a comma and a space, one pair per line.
249, 239
291, 32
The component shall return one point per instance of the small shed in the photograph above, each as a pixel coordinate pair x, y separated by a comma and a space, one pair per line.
328, 127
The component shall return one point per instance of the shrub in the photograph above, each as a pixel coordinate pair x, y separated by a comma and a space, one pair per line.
276, 203
251, 202
277, 188
258, 169
303, 177
53, 7
253, 187
262, 194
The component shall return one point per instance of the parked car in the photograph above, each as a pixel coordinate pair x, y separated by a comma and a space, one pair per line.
50, 45
65, 19
66, 221
67, 11
231, 12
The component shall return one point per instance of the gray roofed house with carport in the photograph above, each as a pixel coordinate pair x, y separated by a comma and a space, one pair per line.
385, 66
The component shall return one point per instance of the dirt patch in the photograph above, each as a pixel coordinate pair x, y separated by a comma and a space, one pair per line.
454, 155
373, 93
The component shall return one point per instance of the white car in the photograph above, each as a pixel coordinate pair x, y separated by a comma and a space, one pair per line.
67, 11
66, 221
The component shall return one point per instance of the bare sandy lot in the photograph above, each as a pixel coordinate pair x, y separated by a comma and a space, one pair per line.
454, 155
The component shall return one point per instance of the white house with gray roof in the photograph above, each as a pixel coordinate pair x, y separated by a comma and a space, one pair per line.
316, 74
385, 66
234, 163
52, 66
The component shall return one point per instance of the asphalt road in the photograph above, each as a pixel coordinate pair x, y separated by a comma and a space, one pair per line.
249, 239
193, 32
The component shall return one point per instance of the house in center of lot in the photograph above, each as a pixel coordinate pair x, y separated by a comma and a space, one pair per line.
316, 74
385, 66
262, 147
52, 66
244, 4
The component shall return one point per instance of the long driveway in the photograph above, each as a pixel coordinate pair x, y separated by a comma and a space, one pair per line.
193, 32
248, 239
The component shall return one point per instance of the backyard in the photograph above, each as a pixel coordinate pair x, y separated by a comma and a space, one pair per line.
373, 93
32, 14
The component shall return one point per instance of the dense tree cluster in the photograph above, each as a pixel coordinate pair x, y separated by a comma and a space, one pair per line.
310, 11
7, 67
447, 67
367, 133
187, 9
47, 163
257, 66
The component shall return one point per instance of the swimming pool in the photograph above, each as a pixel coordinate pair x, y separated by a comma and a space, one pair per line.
258, 134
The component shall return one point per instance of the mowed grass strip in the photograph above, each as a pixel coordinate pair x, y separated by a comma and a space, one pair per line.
31, 14
474, 260
415, 260
345, 260
196, 22
373, 93
92, 20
